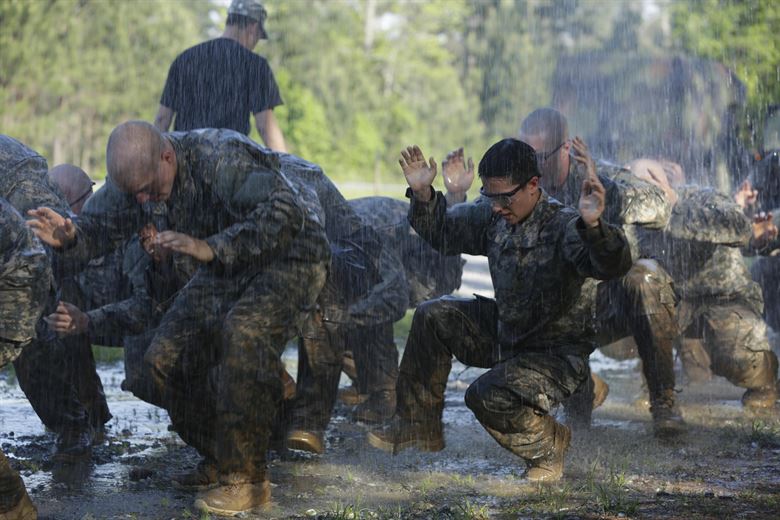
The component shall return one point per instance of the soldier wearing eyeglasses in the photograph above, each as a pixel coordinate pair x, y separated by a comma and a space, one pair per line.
642, 303
535, 336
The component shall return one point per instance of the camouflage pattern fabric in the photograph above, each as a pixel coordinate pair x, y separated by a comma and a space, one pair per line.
700, 248
535, 338
25, 274
552, 246
11, 485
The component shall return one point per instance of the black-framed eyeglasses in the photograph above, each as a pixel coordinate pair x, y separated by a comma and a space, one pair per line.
82, 197
543, 156
501, 200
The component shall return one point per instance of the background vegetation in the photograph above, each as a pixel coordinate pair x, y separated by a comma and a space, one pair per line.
360, 78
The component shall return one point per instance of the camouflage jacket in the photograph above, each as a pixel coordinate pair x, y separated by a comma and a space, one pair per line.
228, 191
539, 267
428, 273
700, 246
629, 202
25, 276
24, 181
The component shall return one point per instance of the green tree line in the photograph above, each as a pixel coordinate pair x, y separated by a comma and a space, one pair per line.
360, 78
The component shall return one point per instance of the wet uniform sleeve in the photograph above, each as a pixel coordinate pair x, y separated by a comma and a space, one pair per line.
710, 217
459, 229
265, 94
388, 300
110, 323
601, 252
267, 228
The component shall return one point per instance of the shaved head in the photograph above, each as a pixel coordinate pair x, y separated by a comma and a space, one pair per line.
547, 124
133, 154
74, 183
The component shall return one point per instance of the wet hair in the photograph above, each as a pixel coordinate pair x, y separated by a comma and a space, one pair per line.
239, 20
133, 151
510, 158
547, 123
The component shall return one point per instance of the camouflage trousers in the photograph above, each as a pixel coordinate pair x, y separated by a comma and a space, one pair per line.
641, 304
766, 272
11, 485
321, 349
510, 400
734, 336
215, 360
59, 378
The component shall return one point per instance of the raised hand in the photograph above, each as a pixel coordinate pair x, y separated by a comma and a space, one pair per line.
581, 155
458, 174
746, 196
184, 244
51, 227
67, 320
592, 196
419, 174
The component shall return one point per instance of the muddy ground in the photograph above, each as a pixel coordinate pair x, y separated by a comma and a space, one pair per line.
727, 466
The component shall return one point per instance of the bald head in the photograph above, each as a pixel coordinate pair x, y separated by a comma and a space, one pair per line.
133, 154
545, 124
74, 183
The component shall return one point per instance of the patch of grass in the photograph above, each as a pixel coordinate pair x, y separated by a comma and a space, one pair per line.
613, 495
766, 434
467, 511
107, 354
402, 326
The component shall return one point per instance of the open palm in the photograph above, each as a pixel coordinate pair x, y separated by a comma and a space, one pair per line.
419, 173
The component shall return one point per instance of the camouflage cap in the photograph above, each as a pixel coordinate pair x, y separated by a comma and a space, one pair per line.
251, 9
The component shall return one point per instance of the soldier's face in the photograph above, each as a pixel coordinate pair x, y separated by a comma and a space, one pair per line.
553, 160
513, 208
156, 186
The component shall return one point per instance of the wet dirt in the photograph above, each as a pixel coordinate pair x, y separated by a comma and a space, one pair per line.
727, 466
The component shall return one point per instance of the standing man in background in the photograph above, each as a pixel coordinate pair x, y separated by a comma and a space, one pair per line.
219, 83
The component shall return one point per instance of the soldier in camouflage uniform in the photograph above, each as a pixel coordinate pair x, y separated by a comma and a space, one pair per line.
42, 369
535, 337
263, 254
701, 248
427, 274
642, 303
25, 276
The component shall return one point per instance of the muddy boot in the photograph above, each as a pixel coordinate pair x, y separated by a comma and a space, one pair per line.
74, 445
549, 468
312, 441
351, 396
288, 386
203, 476
667, 421
397, 435
695, 361
600, 390
762, 398
234, 498
379, 407
23, 510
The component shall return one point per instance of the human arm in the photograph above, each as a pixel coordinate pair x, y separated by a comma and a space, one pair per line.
460, 229
163, 118
389, 298
269, 130
458, 175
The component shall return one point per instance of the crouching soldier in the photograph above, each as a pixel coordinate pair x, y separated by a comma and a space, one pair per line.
25, 280
536, 335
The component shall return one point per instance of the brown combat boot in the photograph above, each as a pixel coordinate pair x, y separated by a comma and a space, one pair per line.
379, 407
761, 398
23, 510
550, 467
289, 386
667, 420
397, 435
600, 390
312, 441
203, 476
234, 498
